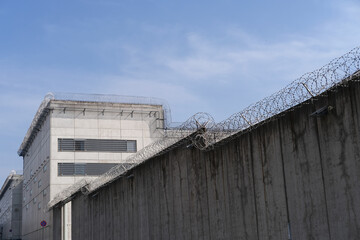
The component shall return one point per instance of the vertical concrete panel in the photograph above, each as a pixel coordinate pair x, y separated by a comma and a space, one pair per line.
184, 166
96, 217
199, 205
75, 218
76, 215
216, 194
141, 213
79, 216
87, 215
135, 227
269, 183
115, 216
164, 197
242, 223
339, 141
123, 207
183, 162
178, 229
101, 226
56, 224
153, 199
303, 171
108, 213
130, 209
173, 203
143, 208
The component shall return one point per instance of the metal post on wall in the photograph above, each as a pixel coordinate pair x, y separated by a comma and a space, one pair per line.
63, 222
66, 221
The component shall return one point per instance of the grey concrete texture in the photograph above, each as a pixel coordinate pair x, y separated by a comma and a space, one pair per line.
295, 177
10, 219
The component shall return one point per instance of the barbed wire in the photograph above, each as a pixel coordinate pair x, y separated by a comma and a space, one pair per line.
187, 130
196, 122
202, 131
112, 98
307, 86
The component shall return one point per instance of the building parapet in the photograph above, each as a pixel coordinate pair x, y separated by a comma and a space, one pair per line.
44, 109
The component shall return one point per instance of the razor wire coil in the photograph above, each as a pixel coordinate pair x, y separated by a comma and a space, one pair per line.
207, 132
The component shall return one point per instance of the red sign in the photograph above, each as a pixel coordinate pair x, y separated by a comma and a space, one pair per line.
43, 223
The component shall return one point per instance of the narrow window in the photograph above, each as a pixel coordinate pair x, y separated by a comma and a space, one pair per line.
96, 145
82, 169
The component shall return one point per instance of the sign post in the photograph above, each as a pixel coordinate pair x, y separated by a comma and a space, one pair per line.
43, 223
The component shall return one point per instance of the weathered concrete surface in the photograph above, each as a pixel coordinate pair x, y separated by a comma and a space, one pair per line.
296, 172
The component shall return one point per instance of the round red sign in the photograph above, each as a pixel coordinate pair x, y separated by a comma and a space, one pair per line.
43, 223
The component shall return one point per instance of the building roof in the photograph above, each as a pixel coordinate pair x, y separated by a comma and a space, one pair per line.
12, 177
43, 110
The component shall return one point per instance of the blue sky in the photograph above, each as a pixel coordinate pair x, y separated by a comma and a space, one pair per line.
201, 56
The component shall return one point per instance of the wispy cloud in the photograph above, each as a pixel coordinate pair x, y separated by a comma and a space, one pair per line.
198, 66
236, 60
247, 57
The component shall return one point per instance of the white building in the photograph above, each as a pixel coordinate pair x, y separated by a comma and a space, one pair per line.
73, 136
10, 207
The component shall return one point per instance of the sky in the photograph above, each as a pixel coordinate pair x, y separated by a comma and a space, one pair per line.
200, 56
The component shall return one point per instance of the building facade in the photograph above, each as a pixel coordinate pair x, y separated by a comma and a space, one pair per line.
10, 207
72, 139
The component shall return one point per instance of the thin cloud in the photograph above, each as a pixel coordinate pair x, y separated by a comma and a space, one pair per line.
199, 67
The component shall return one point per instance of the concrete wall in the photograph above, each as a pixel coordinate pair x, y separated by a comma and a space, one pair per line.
296, 176
16, 218
36, 185
10, 209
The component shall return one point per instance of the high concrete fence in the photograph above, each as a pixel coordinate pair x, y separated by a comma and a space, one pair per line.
295, 177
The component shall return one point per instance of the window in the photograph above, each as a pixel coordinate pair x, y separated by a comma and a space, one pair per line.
89, 169
34, 200
44, 192
45, 168
79, 145
39, 205
39, 183
31, 192
79, 168
35, 179
96, 145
